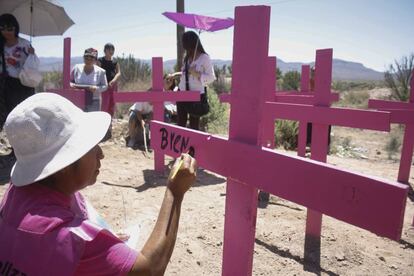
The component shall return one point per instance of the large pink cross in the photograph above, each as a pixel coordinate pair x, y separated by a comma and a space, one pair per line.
321, 115
398, 116
157, 96
350, 197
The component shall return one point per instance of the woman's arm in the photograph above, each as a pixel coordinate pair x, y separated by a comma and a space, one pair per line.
157, 251
117, 74
103, 83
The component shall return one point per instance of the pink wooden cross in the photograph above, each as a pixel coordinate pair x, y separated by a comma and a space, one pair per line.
157, 97
322, 116
248, 166
303, 97
397, 117
76, 96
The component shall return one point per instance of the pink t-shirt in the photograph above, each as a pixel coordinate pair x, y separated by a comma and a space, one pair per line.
44, 232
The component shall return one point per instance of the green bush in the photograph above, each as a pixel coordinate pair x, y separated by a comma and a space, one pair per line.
216, 121
286, 133
133, 70
291, 81
393, 145
51, 80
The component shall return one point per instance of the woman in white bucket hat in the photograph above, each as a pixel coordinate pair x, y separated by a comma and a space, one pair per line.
44, 225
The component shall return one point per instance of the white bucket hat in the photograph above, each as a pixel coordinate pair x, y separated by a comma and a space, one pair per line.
48, 133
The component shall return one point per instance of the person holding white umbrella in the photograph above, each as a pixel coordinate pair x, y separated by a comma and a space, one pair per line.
14, 51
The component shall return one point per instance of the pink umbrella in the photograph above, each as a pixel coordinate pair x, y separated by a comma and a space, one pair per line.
200, 22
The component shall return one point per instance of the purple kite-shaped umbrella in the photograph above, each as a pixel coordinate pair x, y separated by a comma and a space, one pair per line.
199, 22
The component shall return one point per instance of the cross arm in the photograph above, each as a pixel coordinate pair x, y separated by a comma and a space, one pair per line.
366, 119
400, 116
153, 96
301, 98
373, 204
76, 96
383, 104
287, 97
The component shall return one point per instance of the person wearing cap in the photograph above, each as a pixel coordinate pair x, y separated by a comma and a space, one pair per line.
113, 73
14, 51
44, 225
90, 77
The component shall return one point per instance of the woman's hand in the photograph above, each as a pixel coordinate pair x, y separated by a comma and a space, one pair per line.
92, 88
183, 175
31, 50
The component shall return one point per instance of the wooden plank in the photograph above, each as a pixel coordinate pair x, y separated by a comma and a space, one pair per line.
156, 96
367, 119
384, 104
249, 89
76, 96
370, 203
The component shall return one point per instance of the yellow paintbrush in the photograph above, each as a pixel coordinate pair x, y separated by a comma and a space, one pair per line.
174, 172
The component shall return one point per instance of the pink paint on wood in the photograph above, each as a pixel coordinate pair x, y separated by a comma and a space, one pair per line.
305, 79
376, 205
400, 116
406, 154
248, 92
76, 96
320, 132
267, 126
156, 96
66, 62
303, 129
355, 118
411, 100
225, 97
158, 106
381, 104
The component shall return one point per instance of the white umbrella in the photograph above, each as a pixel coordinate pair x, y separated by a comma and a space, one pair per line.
38, 17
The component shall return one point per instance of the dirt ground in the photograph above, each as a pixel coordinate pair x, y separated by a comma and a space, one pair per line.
128, 192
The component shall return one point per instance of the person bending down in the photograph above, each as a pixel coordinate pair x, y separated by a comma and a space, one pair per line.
44, 223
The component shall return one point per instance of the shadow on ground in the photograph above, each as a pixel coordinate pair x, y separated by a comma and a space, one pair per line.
152, 179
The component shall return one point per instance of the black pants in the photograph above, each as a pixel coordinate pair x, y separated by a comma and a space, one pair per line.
12, 92
182, 116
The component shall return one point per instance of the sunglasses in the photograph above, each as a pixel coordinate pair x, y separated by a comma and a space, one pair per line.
88, 58
7, 28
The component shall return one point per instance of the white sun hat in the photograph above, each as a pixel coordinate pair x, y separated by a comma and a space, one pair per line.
48, 133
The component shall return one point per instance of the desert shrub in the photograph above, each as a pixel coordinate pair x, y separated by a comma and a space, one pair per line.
220, 84
393, 145
51, 80
133, 70
286, 133
398, 77
216, 121
291, 81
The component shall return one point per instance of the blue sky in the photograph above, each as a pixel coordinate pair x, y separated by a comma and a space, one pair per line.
373, 32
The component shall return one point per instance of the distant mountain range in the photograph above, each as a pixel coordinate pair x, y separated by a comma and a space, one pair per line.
342, 69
